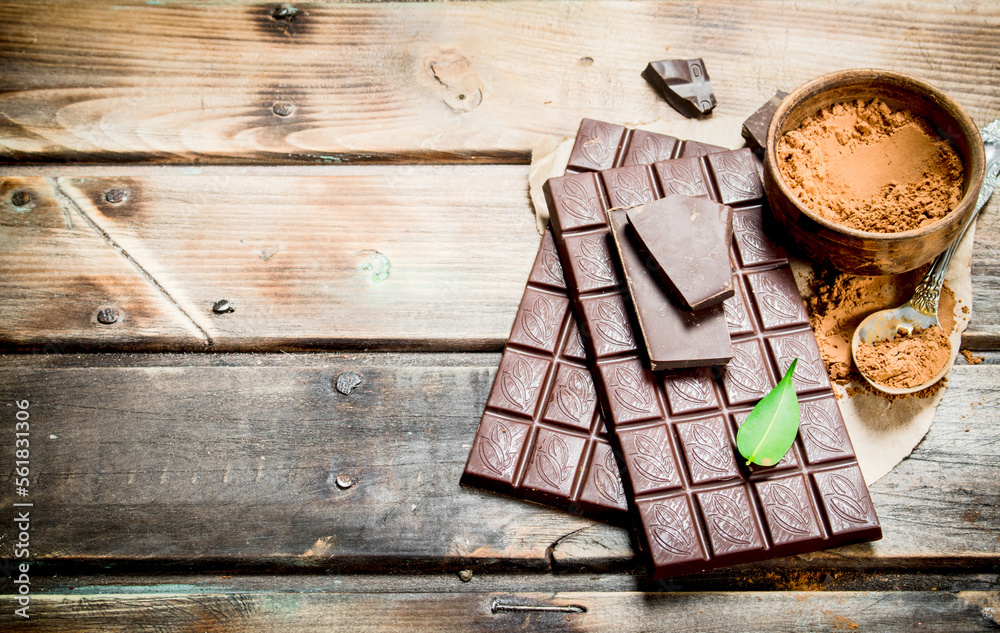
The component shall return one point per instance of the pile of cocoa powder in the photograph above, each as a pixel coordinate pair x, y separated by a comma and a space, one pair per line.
862, 165
838, 302
906, 361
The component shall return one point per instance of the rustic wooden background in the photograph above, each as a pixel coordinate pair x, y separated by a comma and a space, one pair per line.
352, 179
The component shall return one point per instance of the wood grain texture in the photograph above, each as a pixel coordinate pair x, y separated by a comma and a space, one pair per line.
185, 81
57, 272
366, 257
230, 461
386, 257
570, 611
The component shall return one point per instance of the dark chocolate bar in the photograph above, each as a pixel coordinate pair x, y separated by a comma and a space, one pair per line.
694, 502
684, 83
672, 336
541, 437
755, 127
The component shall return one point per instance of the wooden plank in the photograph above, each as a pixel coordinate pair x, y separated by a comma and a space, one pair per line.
57, 273
546, 611
376, 257
186, 81
231, 461
386, 257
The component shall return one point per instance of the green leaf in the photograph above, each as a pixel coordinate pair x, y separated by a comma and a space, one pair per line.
770, 429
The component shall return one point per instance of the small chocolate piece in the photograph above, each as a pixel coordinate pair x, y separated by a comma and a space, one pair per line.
694, 502
755, 127
684, 83
672, 336
687, 240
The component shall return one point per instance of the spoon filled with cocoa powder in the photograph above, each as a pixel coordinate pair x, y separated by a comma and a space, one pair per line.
905, 350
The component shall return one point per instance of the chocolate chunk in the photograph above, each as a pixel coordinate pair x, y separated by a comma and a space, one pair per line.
694, 502
688, 242
672, 336
755, 127
684, 83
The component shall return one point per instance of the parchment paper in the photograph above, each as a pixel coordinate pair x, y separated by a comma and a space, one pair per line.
884, 431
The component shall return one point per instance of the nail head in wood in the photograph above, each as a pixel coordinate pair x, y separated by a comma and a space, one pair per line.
222, 306
465, 575
115, 195
283, 108
347, 381
20, 198
285, 12
107, 316
345, 481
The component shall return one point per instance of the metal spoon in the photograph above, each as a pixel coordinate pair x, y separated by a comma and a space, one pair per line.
921, 311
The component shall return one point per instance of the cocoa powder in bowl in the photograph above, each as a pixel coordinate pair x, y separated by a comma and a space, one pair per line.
863, 165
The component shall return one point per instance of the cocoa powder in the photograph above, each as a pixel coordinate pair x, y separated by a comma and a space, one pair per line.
838, 302
907, 361
862, 165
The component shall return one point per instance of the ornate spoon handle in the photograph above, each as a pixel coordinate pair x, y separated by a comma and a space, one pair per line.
928, 291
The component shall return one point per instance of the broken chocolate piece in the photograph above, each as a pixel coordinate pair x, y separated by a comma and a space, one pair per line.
687, 241
755, 127
684, 83
672, 336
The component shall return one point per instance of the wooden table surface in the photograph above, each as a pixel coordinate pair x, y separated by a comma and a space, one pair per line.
352, 179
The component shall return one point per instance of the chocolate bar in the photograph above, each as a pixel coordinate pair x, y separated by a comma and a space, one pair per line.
684, 83
541, 437
755, 127
672, 337
695, 503
698, 276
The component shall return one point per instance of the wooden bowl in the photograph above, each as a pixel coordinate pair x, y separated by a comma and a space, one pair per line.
862, 252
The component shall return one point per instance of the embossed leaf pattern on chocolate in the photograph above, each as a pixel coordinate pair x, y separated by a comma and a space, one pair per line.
749, 232
628, 190
576, 396
552, 267
737, 176
651, 459
517, 385
709, 449
553, 461
768, 432
671, 530
775, 301
578, 201
631, 392
694, 392
737, 317
786, 509
730, 519
539, 321
745, 372
601, 145
498, 448
594, 261
608, 479
845, 500
612, 323
648, 151
808, 370
820, 430
679, 178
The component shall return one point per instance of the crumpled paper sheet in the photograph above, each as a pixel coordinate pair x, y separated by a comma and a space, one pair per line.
884, 432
